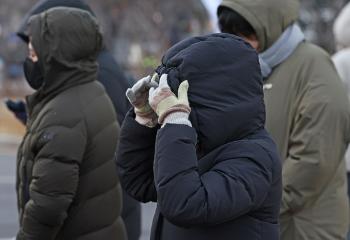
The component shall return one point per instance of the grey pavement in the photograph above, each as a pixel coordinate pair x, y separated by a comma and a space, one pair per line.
8, 209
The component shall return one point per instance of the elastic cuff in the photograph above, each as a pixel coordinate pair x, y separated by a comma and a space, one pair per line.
177, 118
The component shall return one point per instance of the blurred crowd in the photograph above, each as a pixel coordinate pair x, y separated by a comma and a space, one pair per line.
124, 21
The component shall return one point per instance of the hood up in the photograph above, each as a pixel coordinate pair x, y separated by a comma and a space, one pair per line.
269, 18
226, 88
67, 42
44, 5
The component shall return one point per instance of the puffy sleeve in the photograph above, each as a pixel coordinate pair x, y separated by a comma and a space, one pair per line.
59, 151
231, 188
135, 159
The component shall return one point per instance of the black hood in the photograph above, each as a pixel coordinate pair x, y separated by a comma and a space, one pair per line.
44, 5
226, 87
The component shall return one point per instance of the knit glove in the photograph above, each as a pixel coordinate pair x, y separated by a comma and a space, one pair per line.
138, 97
169, 108
18, 108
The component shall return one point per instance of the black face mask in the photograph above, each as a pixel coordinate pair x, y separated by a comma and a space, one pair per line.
33, 73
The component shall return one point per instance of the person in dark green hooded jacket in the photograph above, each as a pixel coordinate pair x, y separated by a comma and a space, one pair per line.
66, 183
308, 116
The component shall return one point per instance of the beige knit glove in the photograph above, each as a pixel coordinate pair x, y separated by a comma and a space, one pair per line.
169, 108
138, 97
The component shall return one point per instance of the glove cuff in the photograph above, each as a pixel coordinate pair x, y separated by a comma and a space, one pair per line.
177, 118
150, 122
144, 111
174, 109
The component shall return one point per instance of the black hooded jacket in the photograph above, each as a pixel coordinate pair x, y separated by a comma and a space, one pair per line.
221, 178
115, 83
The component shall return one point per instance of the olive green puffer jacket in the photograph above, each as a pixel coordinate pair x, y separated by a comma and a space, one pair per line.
66, 175
308, 116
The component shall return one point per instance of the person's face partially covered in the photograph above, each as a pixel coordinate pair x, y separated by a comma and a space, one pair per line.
253, 41
32, 55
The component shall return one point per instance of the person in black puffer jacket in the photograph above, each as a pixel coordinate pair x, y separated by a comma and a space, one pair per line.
210, 165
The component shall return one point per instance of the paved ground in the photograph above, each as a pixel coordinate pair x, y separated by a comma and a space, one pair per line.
8, 212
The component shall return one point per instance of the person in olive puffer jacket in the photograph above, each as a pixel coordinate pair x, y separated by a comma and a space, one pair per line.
66, 182
111, 76
307, 115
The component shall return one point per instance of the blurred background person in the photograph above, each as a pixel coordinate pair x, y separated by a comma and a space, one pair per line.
342, 61
308, 116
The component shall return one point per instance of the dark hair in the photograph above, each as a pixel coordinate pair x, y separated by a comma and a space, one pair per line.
232, 22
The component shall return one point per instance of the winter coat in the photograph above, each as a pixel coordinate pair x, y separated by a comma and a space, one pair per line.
221, 178
115, 82
66, 182
308, 117
342, 63
342, 58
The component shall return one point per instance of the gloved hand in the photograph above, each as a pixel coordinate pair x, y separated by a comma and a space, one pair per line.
18, 108
169, 108
138, 97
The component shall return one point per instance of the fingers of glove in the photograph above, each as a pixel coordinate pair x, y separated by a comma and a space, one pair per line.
166, 102
155, 79
183, 92
141, 85
163, 82
161, 98
130, 95
137, 95
152, 97
153, 84
151, 94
